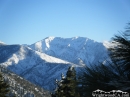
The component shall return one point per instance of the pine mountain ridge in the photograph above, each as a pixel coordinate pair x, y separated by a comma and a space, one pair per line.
44, 61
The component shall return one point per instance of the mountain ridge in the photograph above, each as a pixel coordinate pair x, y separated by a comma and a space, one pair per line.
44, 61
68, 48
32, 65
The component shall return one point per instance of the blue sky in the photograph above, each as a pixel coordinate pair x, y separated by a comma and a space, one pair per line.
28, 21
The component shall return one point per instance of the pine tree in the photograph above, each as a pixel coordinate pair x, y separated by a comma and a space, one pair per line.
67, 86
120, 55
113, 75
97, 77
4, 87
120, 52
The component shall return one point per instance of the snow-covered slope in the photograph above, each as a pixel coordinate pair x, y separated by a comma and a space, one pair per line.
45, 60
36, 67
77, 49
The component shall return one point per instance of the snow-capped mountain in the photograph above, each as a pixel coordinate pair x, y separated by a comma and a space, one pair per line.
76, 50
45, 60
34, 66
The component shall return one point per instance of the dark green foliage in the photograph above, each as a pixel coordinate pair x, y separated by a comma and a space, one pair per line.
67, 86
4, 88
120, 53
104, 77
114, 75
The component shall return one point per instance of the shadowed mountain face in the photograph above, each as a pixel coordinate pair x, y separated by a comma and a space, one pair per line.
7, 51
34, 66
43, 62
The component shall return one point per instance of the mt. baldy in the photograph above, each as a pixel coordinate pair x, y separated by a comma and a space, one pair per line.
75, 50
44, 61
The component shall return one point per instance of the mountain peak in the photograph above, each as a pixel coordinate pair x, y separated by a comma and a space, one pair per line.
44, 61
70, 49
50, 38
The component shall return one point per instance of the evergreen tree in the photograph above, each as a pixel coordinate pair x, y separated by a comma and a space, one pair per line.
120, 52
4, 87
67, 86
120, 55
105, 77
97, 77
113, 75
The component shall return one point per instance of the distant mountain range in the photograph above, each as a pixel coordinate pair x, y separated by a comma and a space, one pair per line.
44, 61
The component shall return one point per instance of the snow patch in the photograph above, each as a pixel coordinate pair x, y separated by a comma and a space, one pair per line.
38, 46
13, 60
2, 43
51, 59
112, 44
48, 40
